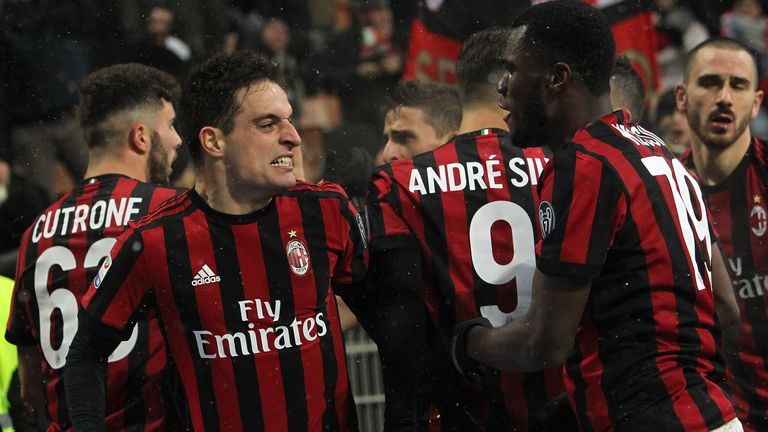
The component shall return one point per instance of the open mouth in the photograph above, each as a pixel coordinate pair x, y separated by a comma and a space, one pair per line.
721, 120
283, 161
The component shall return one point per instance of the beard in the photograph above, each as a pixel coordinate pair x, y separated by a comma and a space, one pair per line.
158, 164
529, 129
718, 141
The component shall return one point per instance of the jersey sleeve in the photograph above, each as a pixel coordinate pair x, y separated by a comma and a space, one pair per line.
23, 302
354, 261
582, 207
118, 292
388, 230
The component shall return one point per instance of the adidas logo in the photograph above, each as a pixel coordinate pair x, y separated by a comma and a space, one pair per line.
205, 276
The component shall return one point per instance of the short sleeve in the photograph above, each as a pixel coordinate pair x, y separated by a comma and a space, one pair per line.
582, 207
119, 288
354, 262
387, 228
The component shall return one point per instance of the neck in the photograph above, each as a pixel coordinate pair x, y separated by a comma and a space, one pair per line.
131, 165
476, 118
713, 164
582, 108
212, 185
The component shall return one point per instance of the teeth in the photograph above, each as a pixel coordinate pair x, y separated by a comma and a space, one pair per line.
284, 161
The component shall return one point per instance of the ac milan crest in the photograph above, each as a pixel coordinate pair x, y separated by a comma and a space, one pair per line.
298, 257
758, 220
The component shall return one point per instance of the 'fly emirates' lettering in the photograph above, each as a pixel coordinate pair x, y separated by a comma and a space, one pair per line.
262, 339
100, 214
475, 175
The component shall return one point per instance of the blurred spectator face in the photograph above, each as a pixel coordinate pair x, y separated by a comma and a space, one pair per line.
408, 134
276, 35
750, 8
675, 132
720, 96
666, 5
164, 142
160, 22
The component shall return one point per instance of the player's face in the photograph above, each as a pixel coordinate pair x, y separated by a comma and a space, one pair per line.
408, 134
719, 97
164, 141
518, 87
258, 152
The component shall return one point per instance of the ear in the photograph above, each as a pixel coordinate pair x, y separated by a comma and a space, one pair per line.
560, 77
681, 98
212, 141
139, 138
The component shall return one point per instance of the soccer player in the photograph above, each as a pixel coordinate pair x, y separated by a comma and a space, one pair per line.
421, 117
460, 216
720, 96
627, 271
242, 273
127, 117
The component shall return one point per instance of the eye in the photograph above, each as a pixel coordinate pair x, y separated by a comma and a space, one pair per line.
267, 126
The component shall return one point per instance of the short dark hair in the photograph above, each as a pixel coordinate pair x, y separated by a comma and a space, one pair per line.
210, 93
479, 67
118, 89
575, 33
627, 86
724, 43
438, 102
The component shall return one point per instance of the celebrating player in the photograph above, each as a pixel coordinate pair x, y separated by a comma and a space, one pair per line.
241, 272
720, 97
127, 116
461, 217
627, 271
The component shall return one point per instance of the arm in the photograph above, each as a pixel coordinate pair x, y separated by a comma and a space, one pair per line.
391, 310
30, 381
726, 308
347, 318
85, 378
543, 337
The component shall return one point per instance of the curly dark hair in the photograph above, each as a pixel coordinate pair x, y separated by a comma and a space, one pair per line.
439, 103
573, 32
210, 94
723, 43
117, 89
479, 66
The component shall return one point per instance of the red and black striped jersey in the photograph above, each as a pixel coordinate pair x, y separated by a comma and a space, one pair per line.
58, 258
470, 204
246, 304
738, 207
619, 209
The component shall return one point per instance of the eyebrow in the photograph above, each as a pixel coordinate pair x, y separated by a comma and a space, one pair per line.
401, 135
716, 77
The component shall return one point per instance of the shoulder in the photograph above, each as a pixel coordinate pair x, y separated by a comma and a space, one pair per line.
320, 190
172, 207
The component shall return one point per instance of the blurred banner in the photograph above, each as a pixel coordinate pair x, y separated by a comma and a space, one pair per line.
441, 25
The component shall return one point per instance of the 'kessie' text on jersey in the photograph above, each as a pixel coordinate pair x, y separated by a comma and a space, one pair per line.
475, 175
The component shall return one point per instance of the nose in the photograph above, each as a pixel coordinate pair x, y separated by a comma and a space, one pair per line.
290, 136
501, 86
725, 97
391, 152
177, 139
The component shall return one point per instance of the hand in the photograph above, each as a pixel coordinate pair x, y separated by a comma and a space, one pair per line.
459, 343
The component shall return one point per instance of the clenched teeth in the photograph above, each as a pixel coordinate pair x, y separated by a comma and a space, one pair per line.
284, 161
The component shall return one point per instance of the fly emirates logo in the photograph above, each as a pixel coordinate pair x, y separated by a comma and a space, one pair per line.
261, 339
747, 287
